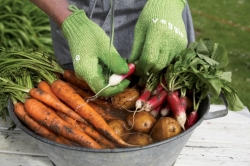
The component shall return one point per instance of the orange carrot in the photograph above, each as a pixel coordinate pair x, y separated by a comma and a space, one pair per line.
67, 94
79, 91
70, 77
47, 117
104, 114
94, 104
55, 103
35, 126
43, 85
88, 130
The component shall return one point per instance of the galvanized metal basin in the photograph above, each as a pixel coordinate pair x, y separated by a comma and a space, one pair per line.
162, 153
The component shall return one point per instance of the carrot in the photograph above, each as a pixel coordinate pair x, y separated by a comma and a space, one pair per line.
88, 130
43, 85
104, 114
79, 91
35, 126
70, 77
47, 117
64, 92
55, 103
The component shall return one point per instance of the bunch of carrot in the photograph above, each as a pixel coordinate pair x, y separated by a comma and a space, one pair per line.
51, 106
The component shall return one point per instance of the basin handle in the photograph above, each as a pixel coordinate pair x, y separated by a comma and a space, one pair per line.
219, 113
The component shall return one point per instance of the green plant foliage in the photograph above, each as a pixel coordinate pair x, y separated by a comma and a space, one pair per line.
23, 24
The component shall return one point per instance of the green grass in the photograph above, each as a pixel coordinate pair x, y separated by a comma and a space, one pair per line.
227, 22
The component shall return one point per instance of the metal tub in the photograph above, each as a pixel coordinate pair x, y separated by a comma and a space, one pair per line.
162, 153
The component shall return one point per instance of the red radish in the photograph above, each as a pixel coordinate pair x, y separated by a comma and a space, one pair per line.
177, 108
155, 112
191, 119
142, 99
183, 100
165, 110
177, 92
155, 101
193, 116
159, 87
147, 92
115, 79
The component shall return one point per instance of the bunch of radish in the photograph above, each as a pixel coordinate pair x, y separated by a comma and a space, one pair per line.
164, 103
199, 68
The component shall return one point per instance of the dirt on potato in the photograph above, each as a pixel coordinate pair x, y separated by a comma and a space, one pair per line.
125, 99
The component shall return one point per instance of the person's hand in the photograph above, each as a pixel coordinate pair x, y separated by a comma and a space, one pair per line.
91, 56
159, 35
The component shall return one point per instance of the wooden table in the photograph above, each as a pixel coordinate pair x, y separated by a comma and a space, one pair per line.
218, 142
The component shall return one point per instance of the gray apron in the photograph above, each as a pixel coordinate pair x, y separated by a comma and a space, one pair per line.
126, 14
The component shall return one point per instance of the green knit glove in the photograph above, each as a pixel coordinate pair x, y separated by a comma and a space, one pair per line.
89, 48
159, 35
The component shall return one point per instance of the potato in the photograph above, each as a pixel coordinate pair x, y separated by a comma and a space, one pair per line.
125, 99
120, 127
141, 122
139, 139
165, 128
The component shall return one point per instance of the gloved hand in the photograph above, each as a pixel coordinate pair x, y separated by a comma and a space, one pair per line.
159, 35
89, 48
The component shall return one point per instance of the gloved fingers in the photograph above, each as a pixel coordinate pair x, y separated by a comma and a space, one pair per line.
139, 40
149, 57
162, 62
114, 62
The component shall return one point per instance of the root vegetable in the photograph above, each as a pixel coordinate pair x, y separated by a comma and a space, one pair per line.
47, 117
191, 119
139, 139
35, 126
120, 127
165, 128
177, 108
67, 94
141, 121
126, 99
55, 103
155, 101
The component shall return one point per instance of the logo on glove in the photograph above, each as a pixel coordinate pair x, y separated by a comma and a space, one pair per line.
170, 26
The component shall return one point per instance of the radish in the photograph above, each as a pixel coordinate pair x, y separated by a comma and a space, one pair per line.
177, 108
183, 98
151, 83
159, 87
191, 119
165, 110
155, 101
193, 116
155, 112
142, 99
115, 79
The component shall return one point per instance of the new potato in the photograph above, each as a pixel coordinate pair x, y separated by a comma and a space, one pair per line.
120, 127
141, 121
165, 128
139, 139
125, 99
